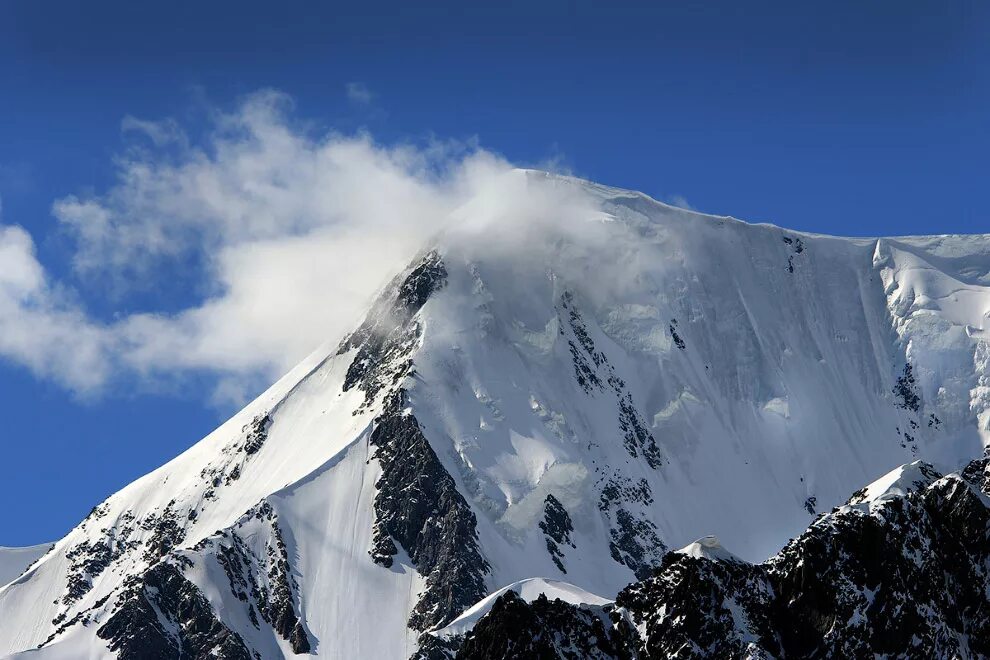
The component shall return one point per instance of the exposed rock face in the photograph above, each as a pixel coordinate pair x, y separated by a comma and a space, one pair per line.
635, 543
557, 528
906, 390
702, 599
544, 630
262, 580
419, 506
164, 616
901, 575
256, 434
674, 336
797, 247
387, 337
418, 503
166, 532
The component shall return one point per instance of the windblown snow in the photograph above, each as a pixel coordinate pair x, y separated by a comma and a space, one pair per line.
579, 395
14, 561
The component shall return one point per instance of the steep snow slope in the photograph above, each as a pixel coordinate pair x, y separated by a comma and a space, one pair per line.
563, 392
13, 561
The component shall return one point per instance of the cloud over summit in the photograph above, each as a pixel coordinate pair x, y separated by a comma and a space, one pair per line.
283, 233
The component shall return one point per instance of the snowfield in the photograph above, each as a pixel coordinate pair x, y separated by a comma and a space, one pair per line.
569, 402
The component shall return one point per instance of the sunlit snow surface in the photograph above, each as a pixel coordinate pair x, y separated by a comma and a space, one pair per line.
774, 401
708, 547
529, 590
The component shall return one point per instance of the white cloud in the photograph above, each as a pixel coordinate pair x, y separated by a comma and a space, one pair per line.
39, 327
287, 233
358, 92
283, 234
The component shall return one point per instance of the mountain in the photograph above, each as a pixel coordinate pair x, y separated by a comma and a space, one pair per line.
569, 382
901, 570
14, 561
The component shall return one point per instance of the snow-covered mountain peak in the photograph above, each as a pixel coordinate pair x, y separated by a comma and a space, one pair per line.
897, 483
708, 547
528, 590
567, 382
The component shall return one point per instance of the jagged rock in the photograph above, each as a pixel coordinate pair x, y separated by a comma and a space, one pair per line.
636, 438
264, 582
417, 503
543, 630
255, 434
678, 341
902, 575
557, 528
88, 560
798, 247
166, 532
388, 335
622, 489
688, 609
906, 390
432, 647
419, 506
635, 543
165, 616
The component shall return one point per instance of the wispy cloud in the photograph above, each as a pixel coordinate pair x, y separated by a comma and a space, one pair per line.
289, 233
358, 93
160, 133
680, 201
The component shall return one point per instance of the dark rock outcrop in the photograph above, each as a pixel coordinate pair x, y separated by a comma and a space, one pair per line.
167, 531
544, 630
256, 433
89, 559
263, 582
906, 390
635, 436
634, 542
418, 505
674, 336
901, 576
557, 528
385, 340
164, 616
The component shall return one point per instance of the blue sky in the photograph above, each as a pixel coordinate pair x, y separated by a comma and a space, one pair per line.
842, 117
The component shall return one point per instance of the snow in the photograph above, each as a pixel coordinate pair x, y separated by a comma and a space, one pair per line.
529, 590
778, 406
782, 392
899, 482
13, 561
708, 547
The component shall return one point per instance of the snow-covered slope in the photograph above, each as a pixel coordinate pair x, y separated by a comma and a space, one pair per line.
13, 561
567, 397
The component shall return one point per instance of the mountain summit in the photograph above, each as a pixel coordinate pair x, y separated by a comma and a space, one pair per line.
562, 388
